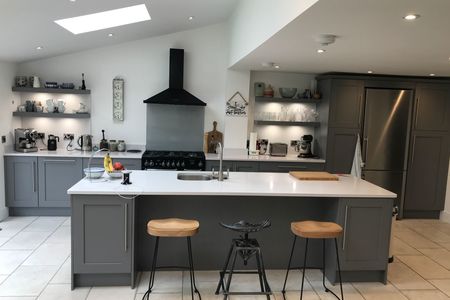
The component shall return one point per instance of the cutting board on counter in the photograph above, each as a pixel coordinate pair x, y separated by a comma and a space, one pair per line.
305, 175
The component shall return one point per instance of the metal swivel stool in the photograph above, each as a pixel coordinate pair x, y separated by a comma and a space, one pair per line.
246, 248
172, 228
315, 230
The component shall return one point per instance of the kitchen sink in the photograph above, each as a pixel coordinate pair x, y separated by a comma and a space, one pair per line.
194, 176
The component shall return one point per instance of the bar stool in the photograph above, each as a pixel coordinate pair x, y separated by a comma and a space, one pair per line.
246, 248
172, 227
315, 230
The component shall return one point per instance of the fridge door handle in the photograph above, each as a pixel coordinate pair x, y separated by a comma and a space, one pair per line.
365, 149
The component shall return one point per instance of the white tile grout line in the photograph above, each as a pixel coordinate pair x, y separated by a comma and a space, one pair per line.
33, 250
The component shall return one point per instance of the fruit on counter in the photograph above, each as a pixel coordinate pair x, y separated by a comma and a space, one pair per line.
118, 166
107, 163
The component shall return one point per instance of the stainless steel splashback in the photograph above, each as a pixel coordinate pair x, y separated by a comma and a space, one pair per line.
175, 127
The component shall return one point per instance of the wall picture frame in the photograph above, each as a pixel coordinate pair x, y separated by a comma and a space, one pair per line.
118, 99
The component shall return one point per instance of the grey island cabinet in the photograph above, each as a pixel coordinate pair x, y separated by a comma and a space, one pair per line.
110, 243
37, 185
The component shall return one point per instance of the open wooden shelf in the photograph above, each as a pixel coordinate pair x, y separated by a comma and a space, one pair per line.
50, 90
286, 100
287, 123
50, 115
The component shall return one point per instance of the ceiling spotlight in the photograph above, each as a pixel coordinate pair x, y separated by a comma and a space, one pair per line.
72, 0
325, 39
191, 18
110, 34
39, 48
432, 74
370, 72
411, 17
276, 66
321, 50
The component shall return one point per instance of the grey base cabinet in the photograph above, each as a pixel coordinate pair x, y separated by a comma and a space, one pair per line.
56, 176
254, 166
21, 181
103, 236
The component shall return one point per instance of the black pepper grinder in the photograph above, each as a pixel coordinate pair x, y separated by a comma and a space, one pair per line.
104, 143
83, 83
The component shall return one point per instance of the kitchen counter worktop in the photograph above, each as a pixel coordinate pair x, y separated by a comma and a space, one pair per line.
263, 158
62, 152
239, 184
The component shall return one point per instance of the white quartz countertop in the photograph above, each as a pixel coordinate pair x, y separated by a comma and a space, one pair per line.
239, 184
62, 152
263, 158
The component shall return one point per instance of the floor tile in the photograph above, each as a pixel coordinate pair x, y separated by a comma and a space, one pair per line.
67, 222
403, 278
60, 236
350, 293
2, 278
165, 297
25, 241
433, 235
27, 281
165, 282
307, 295
11, 259
13, 225
425, 295
378, 291
45, 224
276, 280
445, 245
425, 267
63, 291
443, 285
17, 298
415, 240
3, 240
441, 256
64, 273
48, 255
112, 293
401, 248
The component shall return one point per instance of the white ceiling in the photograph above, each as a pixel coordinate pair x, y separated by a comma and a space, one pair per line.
371, 36
26, 24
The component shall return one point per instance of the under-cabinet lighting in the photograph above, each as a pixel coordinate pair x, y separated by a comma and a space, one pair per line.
320, 50
39, 48
106, 19
411, 17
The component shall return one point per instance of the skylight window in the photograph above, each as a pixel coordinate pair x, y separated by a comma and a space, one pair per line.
106, 19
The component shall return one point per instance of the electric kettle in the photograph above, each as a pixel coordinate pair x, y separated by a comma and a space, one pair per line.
52, 142
85, 142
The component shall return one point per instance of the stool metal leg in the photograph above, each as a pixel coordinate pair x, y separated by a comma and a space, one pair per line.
283, 291
258, 265
191, 271
227, 289
152, 271
225, 267
263, 270
304, 268
339, 271
339, 267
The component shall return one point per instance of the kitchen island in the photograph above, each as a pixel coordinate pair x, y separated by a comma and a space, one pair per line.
110, 244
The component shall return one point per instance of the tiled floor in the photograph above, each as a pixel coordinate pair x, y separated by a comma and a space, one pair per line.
35, 264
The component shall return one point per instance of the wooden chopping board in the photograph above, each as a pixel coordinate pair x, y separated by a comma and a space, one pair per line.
212, 138
305, 175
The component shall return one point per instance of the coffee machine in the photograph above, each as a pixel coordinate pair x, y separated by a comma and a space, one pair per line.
25, 140
304, 146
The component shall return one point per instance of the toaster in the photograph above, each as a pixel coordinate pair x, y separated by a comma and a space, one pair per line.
278, 149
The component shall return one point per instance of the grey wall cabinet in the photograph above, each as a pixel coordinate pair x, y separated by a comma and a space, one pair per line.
56, 176
432, 110
346, 103
21, 181
104, 237
364, 244
341, 149
427, 172
129, 163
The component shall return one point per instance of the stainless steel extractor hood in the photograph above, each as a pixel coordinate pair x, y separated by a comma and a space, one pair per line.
175, 94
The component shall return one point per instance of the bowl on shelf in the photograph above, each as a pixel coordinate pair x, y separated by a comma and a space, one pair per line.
287, 92
94, 172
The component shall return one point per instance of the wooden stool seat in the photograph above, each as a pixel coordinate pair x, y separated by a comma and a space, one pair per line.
316, 230
172, 227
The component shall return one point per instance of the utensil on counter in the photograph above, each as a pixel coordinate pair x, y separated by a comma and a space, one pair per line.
213, 137
52, 143
85, 142
104, 143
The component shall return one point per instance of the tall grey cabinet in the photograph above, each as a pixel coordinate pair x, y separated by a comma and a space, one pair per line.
21, 181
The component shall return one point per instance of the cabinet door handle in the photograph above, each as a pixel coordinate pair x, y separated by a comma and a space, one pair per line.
366, 149
34, 176
345, 228
126, 226
61, 160
291, 167
360, 111
413, 150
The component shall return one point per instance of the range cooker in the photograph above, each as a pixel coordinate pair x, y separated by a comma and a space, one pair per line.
173, 160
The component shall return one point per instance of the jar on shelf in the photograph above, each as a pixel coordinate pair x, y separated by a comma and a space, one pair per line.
113, 145
121, 146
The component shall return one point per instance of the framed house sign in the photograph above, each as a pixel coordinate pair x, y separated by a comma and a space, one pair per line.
118, 85
236, 106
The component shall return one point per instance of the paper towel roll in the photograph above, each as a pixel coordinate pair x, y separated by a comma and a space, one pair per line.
252, 144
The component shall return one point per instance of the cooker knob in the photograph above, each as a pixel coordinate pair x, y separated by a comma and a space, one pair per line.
200, 164
183, 165
178, 164
173, 164
163, 164
150, 164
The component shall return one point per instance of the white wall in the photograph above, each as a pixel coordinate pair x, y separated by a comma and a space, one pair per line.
279, 134
8, 102
144, 65
255, 21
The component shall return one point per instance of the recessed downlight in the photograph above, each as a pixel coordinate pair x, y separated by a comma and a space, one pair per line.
39, 48
191, 18
432, 74
110, 34
411, 17
370, 72
321, 50
276, 66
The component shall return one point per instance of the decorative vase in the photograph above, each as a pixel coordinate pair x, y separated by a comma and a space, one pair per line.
268, 91
259, 89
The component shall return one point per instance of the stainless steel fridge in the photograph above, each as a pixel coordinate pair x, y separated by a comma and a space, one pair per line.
385, 138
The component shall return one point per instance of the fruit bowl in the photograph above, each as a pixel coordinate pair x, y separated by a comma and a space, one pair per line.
115, 174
